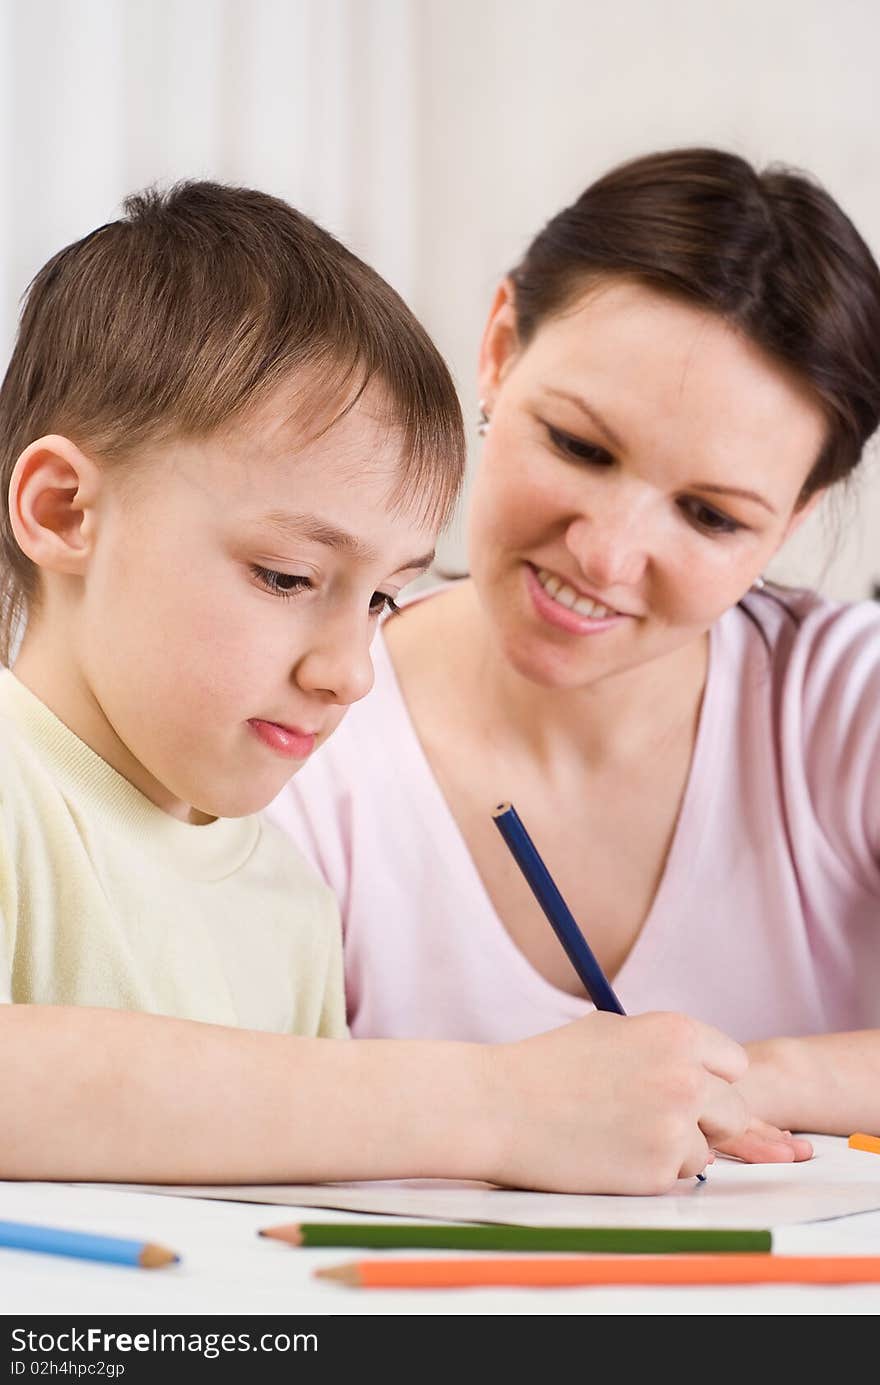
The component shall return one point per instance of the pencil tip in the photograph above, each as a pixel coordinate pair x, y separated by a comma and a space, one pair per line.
153, 1257
343, 1274
291, 1234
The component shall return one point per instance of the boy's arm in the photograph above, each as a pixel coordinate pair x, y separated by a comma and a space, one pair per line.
608, 1104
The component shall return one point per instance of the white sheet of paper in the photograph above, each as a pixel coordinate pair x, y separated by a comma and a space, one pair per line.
836, 1182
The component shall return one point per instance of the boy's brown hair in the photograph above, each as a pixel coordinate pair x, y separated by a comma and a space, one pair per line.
186, 314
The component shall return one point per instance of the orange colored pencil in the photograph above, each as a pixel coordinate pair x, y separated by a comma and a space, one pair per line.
560, 1271
868, 1142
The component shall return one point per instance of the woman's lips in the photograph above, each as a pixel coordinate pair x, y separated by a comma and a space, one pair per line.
288, 741
562, 616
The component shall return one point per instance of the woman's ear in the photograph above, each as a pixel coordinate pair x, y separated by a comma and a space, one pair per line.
52, 503
500, 344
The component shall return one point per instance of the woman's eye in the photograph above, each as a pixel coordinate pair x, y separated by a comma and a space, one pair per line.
382, 602
709, 520
578, 449
282, 584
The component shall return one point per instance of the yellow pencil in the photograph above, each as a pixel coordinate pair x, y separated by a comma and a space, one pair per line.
871, 1143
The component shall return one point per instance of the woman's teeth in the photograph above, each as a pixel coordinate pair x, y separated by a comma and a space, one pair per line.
562, 593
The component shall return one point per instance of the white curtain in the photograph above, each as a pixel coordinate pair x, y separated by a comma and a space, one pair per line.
309, 99
433, 136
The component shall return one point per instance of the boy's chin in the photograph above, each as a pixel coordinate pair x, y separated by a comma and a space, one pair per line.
240, 801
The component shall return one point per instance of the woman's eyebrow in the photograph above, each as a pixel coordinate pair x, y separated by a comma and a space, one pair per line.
591, 413
612, 437
318, 530
734, 490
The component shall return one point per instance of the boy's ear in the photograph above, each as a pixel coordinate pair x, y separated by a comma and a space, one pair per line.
500, 344
52, 500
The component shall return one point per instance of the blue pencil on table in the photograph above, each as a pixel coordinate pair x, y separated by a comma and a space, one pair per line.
560, 917
83, 1245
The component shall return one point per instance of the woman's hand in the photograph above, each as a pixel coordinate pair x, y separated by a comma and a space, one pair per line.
761, 1143
766, 1089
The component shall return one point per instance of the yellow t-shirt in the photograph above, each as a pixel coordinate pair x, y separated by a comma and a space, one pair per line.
106, 900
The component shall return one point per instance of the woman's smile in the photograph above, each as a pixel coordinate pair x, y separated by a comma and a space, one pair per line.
556, 601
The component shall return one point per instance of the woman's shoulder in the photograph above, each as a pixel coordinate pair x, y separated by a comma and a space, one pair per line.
831, 672
810, 679
806, 638
809, 664
424, 617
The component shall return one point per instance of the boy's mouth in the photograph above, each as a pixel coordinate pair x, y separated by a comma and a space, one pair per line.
289, 741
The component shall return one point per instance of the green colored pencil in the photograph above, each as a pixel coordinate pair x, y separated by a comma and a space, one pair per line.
608, 1240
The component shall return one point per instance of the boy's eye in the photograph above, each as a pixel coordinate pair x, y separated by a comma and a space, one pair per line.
286, 584
382, 602
279, 583
576, 449
709, 520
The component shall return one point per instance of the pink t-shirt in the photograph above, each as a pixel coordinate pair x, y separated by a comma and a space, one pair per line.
767, 917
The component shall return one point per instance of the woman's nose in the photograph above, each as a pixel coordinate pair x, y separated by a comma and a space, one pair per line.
610, 546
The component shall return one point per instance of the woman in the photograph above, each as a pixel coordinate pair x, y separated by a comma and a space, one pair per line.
684, 361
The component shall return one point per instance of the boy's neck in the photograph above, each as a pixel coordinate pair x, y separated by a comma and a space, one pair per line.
56, 679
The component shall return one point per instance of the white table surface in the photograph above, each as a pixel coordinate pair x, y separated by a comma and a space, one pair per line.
227, 1269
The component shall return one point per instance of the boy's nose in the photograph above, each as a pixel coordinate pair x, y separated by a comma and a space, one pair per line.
339, 668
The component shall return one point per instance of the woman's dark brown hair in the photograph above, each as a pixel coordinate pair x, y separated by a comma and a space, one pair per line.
771, 253
185, 315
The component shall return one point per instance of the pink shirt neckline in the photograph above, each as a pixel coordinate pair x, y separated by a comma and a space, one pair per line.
694, 812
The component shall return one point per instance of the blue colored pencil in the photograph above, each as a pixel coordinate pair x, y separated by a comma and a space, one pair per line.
543, 887
52, 1241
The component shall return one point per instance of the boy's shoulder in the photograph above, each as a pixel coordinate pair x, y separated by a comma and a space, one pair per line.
26, 798
291, 869
21, 764
28, 794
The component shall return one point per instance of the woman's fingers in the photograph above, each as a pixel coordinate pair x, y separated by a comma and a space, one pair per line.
761, 1143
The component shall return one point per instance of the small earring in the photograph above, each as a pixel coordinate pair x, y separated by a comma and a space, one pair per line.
758, 585
483, 420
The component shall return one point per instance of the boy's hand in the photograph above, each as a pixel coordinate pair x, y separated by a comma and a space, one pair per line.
614, 1104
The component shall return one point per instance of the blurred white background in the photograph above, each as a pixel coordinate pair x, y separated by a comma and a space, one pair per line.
433, 136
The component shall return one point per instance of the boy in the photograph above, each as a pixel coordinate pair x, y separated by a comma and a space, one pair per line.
227, 446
